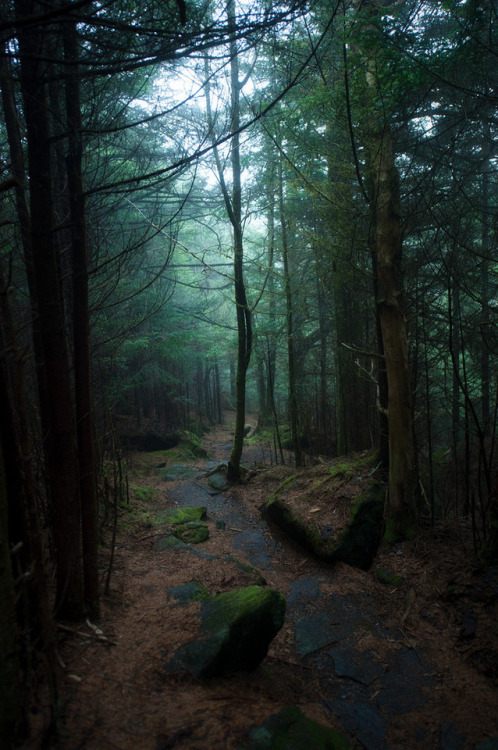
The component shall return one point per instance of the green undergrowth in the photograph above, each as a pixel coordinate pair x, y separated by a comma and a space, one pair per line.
138, 511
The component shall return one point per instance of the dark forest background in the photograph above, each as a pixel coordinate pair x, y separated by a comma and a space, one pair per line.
281, 209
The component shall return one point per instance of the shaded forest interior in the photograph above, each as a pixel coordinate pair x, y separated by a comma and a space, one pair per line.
288, 210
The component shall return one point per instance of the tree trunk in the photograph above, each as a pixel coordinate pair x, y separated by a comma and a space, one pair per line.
13, 721
293, 405
233, 206
403, 479
60, 443
81, 331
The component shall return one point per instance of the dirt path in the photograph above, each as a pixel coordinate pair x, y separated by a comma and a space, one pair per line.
389, 667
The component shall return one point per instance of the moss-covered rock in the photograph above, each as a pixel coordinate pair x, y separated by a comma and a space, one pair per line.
355, 545
193, 532
236, 629
291, 729
150, 442
218, 481
185, 524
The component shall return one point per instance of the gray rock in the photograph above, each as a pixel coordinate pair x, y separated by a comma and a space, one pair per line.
218, 481
177, 471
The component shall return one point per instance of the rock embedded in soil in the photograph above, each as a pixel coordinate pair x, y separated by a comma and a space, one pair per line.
291, 729
218, 481
356, 545
236, 630
186, 525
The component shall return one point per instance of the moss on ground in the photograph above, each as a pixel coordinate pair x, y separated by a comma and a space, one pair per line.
291, 729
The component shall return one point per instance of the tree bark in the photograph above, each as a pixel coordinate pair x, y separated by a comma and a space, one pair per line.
403, 479
13, 720
81, 327
60, 442
233, 206
289, 317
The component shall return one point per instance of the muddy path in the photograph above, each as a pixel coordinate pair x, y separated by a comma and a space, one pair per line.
387, 667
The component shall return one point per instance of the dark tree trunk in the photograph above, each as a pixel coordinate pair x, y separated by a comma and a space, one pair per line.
81, 332
289, 317
233, 205
390, 306
13, 719
60, 443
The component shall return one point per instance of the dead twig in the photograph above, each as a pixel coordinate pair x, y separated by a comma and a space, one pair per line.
96, 636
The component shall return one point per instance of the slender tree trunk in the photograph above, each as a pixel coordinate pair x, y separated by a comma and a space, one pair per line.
291, 355
244, 318
233, 206
81, 326
485, 293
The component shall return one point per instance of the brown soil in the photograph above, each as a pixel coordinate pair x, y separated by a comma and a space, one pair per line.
117, 695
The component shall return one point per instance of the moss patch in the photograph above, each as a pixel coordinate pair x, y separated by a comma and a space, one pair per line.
291, 729
193, 532
383, 576
180, 515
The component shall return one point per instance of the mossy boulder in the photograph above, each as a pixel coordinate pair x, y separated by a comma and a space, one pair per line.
356, 544
186, 524
150, 442
193, 532
291, 729
236, 630
218, 481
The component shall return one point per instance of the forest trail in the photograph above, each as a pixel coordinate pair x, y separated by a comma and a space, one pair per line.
389, 667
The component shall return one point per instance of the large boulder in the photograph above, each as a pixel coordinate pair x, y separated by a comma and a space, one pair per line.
236, 630
150, 442
186, 524
356, 544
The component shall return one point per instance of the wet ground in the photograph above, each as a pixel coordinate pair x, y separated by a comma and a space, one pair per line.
366, 689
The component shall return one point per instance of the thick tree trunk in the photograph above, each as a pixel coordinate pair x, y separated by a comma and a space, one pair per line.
60, 444
403, 481
13, 721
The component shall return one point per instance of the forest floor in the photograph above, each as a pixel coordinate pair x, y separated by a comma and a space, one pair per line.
407, 666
